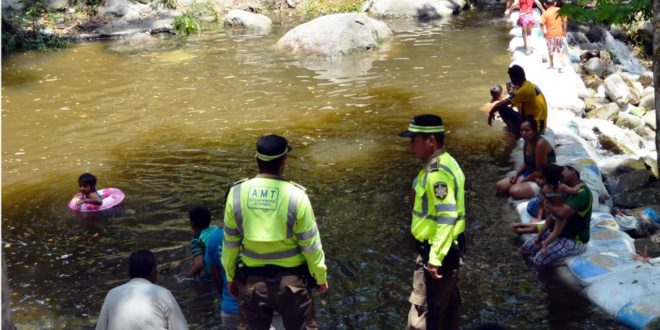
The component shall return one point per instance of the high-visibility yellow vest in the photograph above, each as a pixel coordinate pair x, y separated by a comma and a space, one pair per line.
439, 208
269, 221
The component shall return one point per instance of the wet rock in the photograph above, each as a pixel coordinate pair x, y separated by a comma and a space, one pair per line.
423, 10
618, 91
596, 66
608, 112
646, 79
606, 57
632, 181
628, 166
652, 164
638, 198
628, 143
12, 4
247, 20
648, 102
647, 247
629, 121
336, 35
592, 103
125, 9
645, 132
649, 119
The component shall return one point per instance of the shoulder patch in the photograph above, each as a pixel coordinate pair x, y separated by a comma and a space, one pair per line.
440, 189
298, 185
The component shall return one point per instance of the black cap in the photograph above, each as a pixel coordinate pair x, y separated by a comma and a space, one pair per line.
424, 124
271, 147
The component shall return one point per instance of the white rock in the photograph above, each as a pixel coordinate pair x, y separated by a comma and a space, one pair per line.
247, 20
420, 9
618, 91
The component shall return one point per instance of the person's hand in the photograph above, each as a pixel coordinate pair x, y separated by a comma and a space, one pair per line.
491, 116
433, 271
544, 248
78, 201
233, 288
182, 277
512, 179
537, 243
323, 288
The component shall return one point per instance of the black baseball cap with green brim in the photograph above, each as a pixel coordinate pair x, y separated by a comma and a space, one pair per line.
271, 147
424, 124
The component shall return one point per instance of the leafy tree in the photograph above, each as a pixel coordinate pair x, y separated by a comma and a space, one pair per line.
609, 11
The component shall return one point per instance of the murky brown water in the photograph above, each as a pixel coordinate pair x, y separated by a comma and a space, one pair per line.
173, 122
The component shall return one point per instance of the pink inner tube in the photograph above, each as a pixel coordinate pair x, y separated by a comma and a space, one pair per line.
112, 197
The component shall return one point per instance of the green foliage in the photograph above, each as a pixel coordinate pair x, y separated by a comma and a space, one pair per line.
206, 9
20, 32
186, 24
322, 7
620, 12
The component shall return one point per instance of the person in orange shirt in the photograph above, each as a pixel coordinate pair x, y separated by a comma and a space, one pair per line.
554, 30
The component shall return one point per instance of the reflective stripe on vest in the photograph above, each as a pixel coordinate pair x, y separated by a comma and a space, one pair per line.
312, 247
232, 232
292, 214
231, 244
308, 234
271, 256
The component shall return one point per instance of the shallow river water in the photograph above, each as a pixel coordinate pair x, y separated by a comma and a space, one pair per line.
174, 121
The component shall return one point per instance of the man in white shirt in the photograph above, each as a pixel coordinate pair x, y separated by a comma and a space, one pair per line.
139, 303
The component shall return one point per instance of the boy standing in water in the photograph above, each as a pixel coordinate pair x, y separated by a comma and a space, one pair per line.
206, 246
554, 30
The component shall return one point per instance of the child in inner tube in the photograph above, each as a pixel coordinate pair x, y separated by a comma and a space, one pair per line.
87, 190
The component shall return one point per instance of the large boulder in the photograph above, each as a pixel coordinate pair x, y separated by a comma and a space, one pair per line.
638, 198
596, 66
127, 10
648, 102
626, 120
336, 35
632, 181
649, 119
420, 9
622, 142
242, 19
608, 112
618, 91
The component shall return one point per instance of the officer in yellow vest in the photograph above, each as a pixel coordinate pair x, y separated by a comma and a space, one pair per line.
438, 222
272, 251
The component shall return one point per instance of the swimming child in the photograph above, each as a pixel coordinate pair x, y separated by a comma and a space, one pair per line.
87, 190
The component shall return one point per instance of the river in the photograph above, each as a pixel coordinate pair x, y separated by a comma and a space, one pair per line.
174, 121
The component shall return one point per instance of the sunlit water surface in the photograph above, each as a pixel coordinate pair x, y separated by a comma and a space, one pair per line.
174, 121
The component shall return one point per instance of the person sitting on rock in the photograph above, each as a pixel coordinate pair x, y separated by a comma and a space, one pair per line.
566, 232
537, 152
527, 97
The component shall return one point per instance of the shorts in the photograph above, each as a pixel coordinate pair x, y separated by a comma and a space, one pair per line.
526, 19
555, 45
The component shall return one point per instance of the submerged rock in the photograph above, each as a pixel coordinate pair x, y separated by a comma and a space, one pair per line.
246, 20
420, 9
336, 35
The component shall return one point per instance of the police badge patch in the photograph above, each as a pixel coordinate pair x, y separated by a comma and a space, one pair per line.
440, 190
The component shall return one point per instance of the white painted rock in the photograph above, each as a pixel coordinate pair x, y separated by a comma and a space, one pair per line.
618, 91
336, 35
246, 20
420, 9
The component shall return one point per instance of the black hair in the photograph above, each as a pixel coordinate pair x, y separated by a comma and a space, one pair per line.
200, 216
141, 263
439, 137
271, 166
552, 173
496, 91
87, 179
517, 74
532, 123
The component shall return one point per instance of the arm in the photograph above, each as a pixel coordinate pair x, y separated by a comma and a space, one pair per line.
518, 173
564, 25
232, 240
217, 279
560, 223
92, 198
539, 214
570, 190
196, 267
446, 215
540, 5
499, 105
309, 241
102, 322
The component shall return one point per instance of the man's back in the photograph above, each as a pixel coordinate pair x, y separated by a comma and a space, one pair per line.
140, 304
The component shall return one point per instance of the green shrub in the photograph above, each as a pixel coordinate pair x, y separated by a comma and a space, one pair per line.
186, 24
